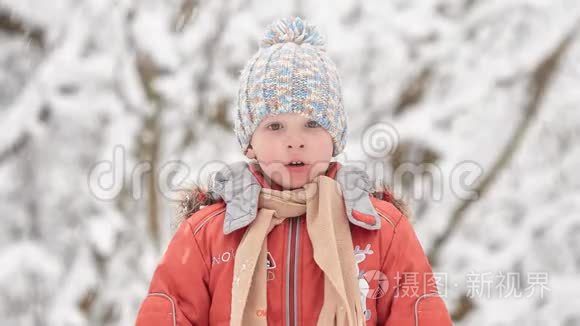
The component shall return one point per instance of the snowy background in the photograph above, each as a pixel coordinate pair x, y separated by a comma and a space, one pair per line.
108, 107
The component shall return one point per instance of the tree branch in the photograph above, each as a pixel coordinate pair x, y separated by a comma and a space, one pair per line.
539, 83
10, 24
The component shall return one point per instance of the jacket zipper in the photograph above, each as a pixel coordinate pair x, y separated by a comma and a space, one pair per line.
292, 272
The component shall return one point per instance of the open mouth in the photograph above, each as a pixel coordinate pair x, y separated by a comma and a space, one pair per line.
296, 163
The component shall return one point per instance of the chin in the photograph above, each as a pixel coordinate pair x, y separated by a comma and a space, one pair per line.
291, 186
296, 184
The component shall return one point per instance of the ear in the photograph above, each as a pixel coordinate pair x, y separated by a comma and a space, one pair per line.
250, 152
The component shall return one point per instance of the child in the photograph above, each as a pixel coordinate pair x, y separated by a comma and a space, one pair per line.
292, 238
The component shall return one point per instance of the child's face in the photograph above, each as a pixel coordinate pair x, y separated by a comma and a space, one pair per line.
288, 137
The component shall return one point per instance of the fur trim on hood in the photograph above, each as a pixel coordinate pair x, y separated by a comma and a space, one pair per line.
199, 197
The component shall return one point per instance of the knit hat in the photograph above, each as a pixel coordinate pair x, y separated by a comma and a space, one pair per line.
291, 72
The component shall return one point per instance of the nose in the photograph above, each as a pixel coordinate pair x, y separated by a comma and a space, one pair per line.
296, 146
295, 142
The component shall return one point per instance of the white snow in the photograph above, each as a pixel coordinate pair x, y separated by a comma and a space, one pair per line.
80, 101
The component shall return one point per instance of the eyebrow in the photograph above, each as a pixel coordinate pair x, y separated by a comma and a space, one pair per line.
281, 120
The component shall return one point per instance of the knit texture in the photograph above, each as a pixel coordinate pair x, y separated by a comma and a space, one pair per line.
291, 72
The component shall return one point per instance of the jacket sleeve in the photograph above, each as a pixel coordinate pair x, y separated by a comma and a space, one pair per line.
412, 297
178, 293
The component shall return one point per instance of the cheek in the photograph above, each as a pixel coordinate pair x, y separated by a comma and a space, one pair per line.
269, 150
262, 144
322, 145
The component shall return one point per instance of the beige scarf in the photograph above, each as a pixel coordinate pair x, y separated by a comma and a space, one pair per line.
329, 231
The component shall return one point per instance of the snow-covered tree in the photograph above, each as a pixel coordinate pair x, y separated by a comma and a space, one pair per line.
109, 107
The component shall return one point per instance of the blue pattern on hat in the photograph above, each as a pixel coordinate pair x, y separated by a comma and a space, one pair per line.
291, 72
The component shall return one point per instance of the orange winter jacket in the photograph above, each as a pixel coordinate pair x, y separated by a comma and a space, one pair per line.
192, 283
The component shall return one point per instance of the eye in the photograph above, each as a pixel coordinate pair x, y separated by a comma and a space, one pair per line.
312, 124
274, 126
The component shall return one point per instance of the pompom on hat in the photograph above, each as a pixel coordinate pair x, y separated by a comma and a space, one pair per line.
291, 72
